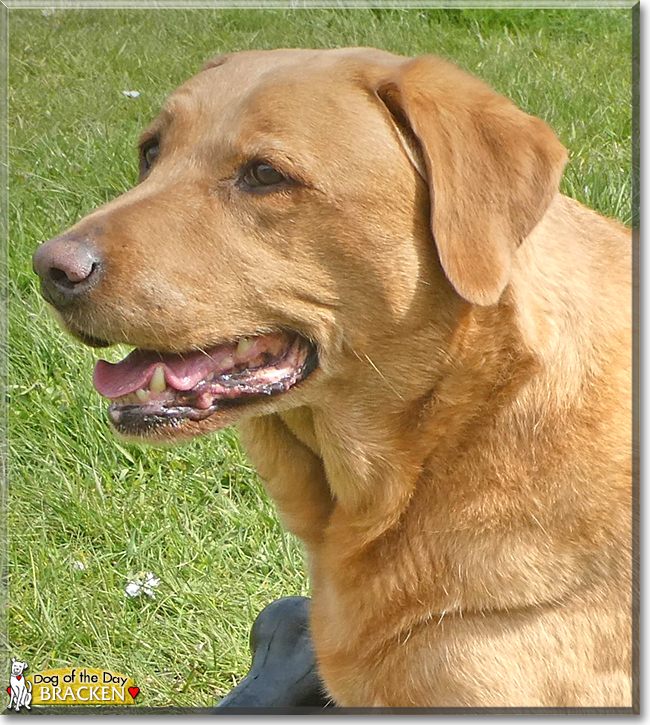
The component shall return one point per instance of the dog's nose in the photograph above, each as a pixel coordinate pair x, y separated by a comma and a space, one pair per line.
68, 266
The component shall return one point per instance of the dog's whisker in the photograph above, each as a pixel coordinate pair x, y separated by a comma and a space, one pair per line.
383, 377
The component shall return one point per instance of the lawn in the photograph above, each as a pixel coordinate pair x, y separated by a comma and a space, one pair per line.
88, 514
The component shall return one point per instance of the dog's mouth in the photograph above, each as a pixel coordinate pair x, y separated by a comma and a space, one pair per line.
149, 389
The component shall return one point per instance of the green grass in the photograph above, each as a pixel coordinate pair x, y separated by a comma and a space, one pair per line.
197, 516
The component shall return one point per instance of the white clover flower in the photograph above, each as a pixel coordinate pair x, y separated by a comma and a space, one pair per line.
137, 587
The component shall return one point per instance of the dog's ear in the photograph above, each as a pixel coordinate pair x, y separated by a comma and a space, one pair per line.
492, 169
13, 659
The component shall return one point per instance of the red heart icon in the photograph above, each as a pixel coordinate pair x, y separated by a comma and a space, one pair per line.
18, 677
9, 690
133, 691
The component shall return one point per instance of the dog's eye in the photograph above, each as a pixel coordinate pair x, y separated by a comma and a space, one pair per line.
148, 156
261, 174
151, 154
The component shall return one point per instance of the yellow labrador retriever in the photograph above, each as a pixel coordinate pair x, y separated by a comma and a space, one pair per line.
364, 260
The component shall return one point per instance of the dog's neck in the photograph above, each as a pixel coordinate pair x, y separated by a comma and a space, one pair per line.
376, 444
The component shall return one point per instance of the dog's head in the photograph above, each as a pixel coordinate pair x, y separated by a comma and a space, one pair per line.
17, 667
296, 209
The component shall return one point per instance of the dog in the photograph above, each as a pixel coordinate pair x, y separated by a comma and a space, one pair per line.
20, 690
365, 261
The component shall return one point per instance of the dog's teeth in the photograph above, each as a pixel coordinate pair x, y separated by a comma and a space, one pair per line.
244, 346
142, 395
158, 382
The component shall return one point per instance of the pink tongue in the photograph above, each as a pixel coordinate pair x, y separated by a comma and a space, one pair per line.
182, 372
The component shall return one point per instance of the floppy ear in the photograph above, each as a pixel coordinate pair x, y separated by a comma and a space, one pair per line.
492, 169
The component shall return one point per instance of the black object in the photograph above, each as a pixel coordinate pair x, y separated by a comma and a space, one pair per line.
283, 672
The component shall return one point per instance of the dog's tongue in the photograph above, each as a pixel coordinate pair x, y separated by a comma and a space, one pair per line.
182, 372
